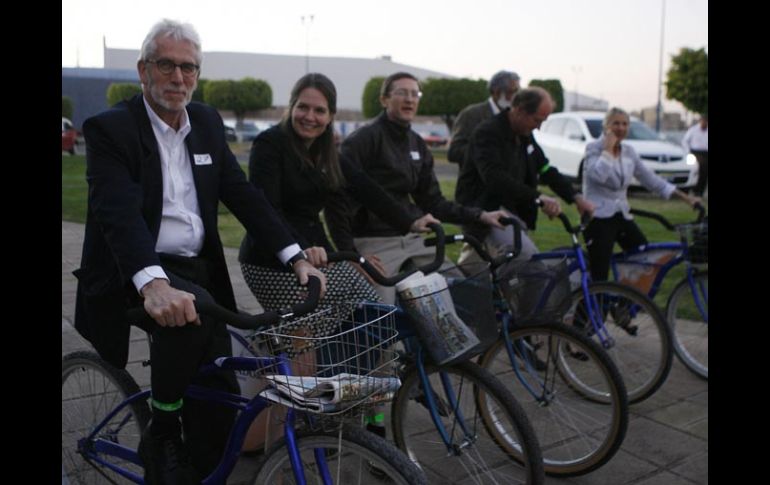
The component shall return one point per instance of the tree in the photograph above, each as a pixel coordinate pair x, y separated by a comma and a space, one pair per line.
554, 88
66, 107
447, 97
198, 93
117, 92
240, 97
370, 100
687, 80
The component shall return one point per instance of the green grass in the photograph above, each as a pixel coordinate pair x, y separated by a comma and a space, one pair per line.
549, 233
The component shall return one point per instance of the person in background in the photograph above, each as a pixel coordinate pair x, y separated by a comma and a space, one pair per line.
157, 166
610, 165
397, 158
696, 141
503, 168
502, 87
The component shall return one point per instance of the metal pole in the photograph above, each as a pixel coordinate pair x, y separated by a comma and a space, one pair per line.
659, 107
307, 41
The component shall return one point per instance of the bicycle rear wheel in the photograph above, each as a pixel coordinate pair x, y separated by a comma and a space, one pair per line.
570, 390
91, 388
490, 438
689, 323
640, 338
353, 456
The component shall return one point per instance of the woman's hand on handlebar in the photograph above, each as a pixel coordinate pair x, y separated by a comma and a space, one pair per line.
421, 224
584, 207
317, 256
303, 269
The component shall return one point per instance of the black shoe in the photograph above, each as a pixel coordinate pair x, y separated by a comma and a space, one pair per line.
622, 315
166, 460
577, 354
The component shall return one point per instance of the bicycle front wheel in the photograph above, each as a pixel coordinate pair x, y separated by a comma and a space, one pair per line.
637, 336
570, 390
687, 313
90, 389
489, 439
353, 456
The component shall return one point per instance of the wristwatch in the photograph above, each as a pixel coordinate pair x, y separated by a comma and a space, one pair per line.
300, 256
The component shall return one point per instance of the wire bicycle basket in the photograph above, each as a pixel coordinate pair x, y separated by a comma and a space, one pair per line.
536, 290
341, 358
695, 237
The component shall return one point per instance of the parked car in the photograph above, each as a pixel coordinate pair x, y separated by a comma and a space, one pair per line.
434, 139
564, 136
246, 131
230, 134
69, 136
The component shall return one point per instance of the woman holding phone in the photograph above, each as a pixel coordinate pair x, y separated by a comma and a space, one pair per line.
610, 165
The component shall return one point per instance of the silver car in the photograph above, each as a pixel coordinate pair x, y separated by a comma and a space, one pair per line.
564, 136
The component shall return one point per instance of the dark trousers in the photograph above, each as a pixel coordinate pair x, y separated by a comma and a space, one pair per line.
703, 171
176, 353
602, 234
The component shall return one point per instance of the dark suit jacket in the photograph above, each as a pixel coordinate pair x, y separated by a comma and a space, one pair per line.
469, 118
503, 169
124, 215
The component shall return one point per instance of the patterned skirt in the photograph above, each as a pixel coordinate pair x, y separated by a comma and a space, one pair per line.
276, 290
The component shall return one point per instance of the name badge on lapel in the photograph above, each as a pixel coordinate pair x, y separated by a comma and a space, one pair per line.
530, 149
202, 159
415, 155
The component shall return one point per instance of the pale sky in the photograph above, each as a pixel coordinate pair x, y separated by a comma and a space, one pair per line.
604, 48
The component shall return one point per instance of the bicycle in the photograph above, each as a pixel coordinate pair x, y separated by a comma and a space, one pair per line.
485, 433
570, 389
687, 306
104, 412
623, 320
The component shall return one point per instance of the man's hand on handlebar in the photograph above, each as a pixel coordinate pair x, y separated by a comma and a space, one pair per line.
493, 218
317, 256
168, 306
421, 224
550, 205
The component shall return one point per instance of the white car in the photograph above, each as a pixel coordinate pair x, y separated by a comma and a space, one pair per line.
564, 136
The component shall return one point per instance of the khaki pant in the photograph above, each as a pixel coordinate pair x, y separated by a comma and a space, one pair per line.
394, 252
496, 243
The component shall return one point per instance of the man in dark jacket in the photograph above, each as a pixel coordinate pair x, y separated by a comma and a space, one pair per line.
503, 167
502, 86
157, 166
397, 158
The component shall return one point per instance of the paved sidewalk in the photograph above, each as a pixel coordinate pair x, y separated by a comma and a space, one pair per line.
666, 444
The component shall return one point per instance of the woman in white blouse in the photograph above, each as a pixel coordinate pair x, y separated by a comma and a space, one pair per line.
609, 167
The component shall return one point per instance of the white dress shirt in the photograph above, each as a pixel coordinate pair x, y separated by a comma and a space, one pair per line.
696, 139
181, 226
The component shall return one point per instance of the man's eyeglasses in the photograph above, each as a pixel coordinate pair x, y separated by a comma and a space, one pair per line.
403, 93
166, 66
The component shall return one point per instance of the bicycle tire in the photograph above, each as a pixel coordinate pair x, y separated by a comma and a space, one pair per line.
642, 348
689, 331
571, 391
504, 447
91, 388
373, 453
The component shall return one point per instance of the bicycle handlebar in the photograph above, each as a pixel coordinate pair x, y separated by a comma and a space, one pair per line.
665, 222
354, 257
479, 247
246, 321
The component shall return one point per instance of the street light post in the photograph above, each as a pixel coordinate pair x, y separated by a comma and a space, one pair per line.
659, 107
576, 102
307, 40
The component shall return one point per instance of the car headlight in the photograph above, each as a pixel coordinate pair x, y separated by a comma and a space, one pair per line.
690, 159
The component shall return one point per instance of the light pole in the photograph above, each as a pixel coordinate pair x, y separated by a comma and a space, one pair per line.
659, 107
575, 102
307, 40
